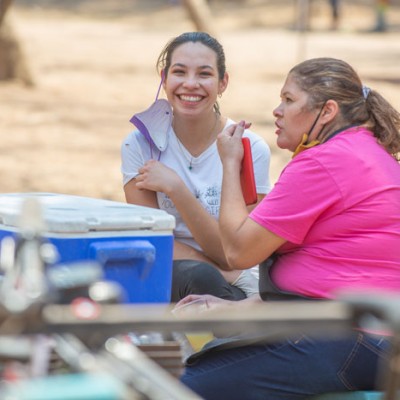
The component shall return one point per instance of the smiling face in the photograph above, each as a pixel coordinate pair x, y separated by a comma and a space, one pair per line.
192, 83
294, 117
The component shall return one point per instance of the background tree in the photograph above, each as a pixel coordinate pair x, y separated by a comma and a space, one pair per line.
13, 64
200, 14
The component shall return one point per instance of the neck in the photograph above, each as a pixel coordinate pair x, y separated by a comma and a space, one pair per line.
331, 129
197, 135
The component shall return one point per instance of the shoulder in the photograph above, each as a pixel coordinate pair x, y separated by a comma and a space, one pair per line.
336, 157
258, 144
134, 139
346, 144
255, 139
131, 137
133, 145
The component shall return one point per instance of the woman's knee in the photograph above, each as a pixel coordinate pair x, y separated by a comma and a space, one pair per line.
197, 277
196, 273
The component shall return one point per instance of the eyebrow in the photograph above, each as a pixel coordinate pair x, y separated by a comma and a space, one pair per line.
200, 67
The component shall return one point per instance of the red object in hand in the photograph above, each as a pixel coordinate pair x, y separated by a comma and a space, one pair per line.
247, 179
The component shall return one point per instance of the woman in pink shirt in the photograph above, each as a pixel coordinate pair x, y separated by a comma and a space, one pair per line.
331, 223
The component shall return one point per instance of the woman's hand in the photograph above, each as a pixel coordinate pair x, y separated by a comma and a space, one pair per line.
210, 302
157, 177
229, 142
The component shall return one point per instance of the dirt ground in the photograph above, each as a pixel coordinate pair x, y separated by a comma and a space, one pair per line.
94, 66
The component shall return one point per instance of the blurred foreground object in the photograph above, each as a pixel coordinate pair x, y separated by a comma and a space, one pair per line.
37, 328
133, 244
23, 261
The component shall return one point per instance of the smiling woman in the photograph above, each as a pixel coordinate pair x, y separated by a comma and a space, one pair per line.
184, 177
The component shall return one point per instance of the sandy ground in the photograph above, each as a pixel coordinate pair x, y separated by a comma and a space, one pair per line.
94, 66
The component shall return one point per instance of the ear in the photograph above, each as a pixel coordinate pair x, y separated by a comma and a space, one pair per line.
330, 112
223, 83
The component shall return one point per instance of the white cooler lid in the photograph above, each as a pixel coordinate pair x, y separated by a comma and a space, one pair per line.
70, 214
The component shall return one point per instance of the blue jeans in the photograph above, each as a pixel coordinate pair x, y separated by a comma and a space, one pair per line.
290, 370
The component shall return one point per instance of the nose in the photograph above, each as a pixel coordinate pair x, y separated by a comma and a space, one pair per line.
277, 112
191, 82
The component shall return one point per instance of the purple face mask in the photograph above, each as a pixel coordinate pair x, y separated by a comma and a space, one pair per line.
155, 123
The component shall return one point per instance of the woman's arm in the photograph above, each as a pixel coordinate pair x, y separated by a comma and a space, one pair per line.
245, 242
202, 225
155, 176
143, 197
185, 252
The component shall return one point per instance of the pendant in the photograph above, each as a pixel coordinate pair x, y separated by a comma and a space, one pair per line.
190, 167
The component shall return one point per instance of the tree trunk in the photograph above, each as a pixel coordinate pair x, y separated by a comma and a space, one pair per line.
13, 64
4, 6
199, 13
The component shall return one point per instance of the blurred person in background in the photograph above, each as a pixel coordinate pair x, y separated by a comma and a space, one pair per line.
335, 14
381, 8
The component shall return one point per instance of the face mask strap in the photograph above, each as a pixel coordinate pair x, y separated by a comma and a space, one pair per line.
303, 143
158, 93
161, 82
315, 122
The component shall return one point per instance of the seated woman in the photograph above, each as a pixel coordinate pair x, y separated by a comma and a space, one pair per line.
185, 178
331, 223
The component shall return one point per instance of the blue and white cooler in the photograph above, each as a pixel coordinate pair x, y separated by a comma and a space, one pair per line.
134, 244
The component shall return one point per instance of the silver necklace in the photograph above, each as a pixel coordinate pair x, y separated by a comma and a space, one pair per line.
190, 161
181, 147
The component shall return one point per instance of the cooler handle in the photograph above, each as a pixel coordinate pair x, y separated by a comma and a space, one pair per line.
104, 252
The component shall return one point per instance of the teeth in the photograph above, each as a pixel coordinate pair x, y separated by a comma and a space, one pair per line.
190, 98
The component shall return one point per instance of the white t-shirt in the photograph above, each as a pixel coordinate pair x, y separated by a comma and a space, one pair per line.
204, 179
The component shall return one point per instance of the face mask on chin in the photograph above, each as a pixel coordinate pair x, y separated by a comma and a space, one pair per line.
303, 145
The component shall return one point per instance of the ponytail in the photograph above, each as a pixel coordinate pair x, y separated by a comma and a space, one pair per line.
384, 122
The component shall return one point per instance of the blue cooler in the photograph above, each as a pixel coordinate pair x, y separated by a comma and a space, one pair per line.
134, 244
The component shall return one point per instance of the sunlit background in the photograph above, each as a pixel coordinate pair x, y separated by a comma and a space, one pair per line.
88, 65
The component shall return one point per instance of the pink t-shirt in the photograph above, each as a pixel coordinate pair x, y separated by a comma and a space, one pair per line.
338, 207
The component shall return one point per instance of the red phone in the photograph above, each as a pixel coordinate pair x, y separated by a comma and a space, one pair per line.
247, 179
